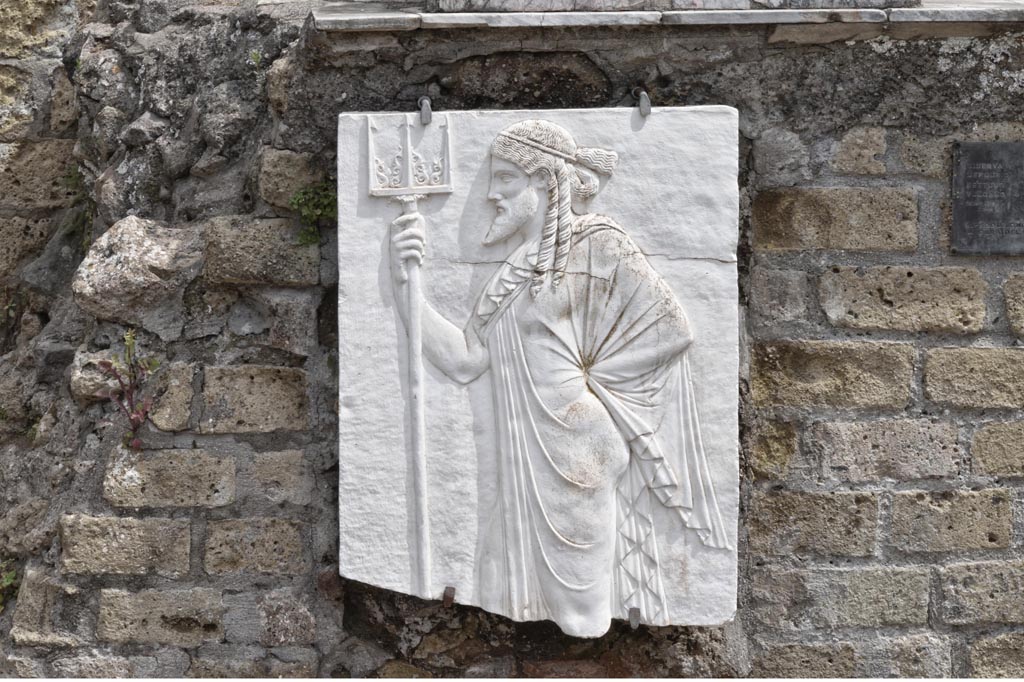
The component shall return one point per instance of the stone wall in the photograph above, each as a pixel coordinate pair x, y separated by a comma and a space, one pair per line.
148, 153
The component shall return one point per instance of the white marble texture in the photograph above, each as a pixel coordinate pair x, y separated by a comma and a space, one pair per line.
674, 192
348, 16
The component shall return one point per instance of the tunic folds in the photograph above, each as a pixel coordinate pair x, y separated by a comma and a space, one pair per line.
596, 423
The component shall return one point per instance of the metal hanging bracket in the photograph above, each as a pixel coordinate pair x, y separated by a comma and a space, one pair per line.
425, 113
643, 100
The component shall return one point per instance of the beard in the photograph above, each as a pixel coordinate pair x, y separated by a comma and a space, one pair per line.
513, 215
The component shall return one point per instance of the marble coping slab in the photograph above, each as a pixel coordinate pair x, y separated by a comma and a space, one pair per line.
357, 16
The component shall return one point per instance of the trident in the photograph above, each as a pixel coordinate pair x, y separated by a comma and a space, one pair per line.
408, 176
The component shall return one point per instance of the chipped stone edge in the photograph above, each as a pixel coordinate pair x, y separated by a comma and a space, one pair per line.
347, 18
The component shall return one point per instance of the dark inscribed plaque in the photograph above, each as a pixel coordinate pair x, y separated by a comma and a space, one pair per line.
988, 198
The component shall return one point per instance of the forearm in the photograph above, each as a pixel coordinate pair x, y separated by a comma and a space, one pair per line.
448, 348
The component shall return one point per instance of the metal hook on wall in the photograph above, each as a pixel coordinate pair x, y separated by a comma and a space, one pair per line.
425, 113
643, 100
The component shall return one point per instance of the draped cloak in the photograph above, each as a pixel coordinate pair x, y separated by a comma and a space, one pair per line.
572, 519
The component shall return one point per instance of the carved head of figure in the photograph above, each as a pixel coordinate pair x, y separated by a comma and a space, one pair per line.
535, 160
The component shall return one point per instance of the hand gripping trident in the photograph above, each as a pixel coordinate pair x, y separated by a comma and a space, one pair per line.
408, 174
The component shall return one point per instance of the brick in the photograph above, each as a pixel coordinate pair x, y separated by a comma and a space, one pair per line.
34, 175
110, 544
283, 173
893, 449
1013, 294
832, 374
950, 300
996, 449
169, 478
861, 152
982, 592
282, 477
999, 656
172, 409
185, 618
951, 520
975, 377
783, 523
827, 659
254, 399
829, 598
777, 296
20, 238
258, 545
919, 656
853, 219
772, 447
245, 250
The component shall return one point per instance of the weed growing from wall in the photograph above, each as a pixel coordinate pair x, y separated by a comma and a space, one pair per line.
8, 582
315, 204
131, 373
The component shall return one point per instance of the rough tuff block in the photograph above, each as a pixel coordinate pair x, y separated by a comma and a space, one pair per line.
781, 158
185, 618
951, 520
832, 374
919, 656
1013, 293
999, 656
853, 219
280, 477
109, 544
932, 156
20, 237
286, 619
173, 408
772, 447
169, 478
861, 152
777, 296
259, 545
219, 660
894, 449
782, 523
283, 173
806, 660
34, 624
828, 599
35, 174
245, 250
975, 377
254, 399
982, 592
996, 449
948, 300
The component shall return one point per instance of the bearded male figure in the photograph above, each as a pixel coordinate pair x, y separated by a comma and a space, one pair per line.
595, 417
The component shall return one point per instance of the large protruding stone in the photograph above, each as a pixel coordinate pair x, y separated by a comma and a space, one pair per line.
136, 273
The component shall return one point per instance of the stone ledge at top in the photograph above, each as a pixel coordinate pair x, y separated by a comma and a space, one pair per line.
656, 5
397, 15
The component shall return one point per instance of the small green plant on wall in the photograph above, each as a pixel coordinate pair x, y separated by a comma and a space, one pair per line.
8, 582
315, 204
131, 373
